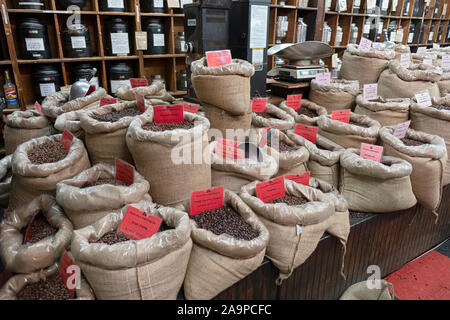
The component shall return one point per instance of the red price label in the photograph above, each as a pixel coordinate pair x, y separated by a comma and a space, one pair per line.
106, 101
229, 149
271, 189
38, 107
341, 115
140, 102
168, 114
69, 271
138, 82
66, 140
259, 104
307, 132
204, 200
294, 101
28, 230
299, 178
91, 89
139, 225
371, 152
190, 107
124, 172
218, 58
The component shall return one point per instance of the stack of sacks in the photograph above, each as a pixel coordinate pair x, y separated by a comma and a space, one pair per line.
156, 93
338, 95
373, 61
360, 129
272, 117
387, 112
400, 82
224, 93
5, 180
378, 187
307, 114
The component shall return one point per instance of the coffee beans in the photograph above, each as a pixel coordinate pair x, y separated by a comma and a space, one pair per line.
290, 200
411, 142
225, 220
116, 115
282, 146
266, 115
48, 152
52, 288
441, 107
151, 126
101, 181
307, 112
40, 229
113, 237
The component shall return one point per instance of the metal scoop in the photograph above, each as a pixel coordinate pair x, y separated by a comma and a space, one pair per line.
81, 87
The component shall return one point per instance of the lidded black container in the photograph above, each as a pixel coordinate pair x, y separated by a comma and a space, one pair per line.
47, 80
33, 39
64, 4
156, 42
29, 4
118, 38
113, 5
76, 41
82, 71
119, 75
154, 6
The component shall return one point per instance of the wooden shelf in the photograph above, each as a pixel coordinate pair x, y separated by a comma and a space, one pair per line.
5, 62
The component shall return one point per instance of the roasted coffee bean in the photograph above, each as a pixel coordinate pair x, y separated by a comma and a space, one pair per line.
48, 152
411, 142
307, 112
267, 115
225, 220
113, 237
441, 107
358, 124
290, 200
282, 146
52, 288
116, 115
354, 214
151, 126
7, 175
40, 229
101, 181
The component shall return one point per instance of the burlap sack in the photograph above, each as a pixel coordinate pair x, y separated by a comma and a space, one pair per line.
105, 141
387, 112
301, 118
324, 157
224, 124
58, 103
287, 249
226, 87
419, 57
281, 119
157, 91
70, 121
5, 181
16, 283
401, 82
219, 261
147, 269
360, 291
428, 162
22, 126
175, 162
444, 83
84, 206
400, 49
373, 63
30, 180
24, 258
378, 187
349, 135
338, 95
435, 122
233, 174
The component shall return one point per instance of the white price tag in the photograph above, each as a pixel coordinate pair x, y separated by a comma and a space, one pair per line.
342, 5
47, 89
158, 3
370, 91
427, 61
405, 60
117, 4
34, 44
365, 44
423, 98
158, 39
119, 43
421, 49
410, 37
377, 45
400, 129
78, 42
116, 84
323, 78
446, 61
183, 2
298, 229
436, 46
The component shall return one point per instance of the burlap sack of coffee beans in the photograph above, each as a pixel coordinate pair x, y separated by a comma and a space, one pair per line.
287, 249
400, 82
339, 94
5, 180
364, 66
147, 269
434, 121
378, 187
234, 173
428, 160
219, 261
360, 291
18, 282
105, 140
27, 257
272, 117
174, 161
226, 87
444, 83
307, 114
387, 112
157, 90
30, 180
360, 129
70, 121
22, 126
324, 157
58, 103
84, 204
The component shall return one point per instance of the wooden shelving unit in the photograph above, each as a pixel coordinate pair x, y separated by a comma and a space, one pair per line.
54, 17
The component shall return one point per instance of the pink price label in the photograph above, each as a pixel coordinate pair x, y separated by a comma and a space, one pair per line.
124, 172
371, 152
38, 107
400, 129
138, 82
436, 45
423, 98
140, 102
307, 132
341, 115
228, 149
204, 200
91, 89
259, 104
271, 189
218, 58
66, 140
405, 60
370, 91
365, 44
323, 78
190, 107
168, 114
138, 225
107, 101
446, 61
294, 101
300, 178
